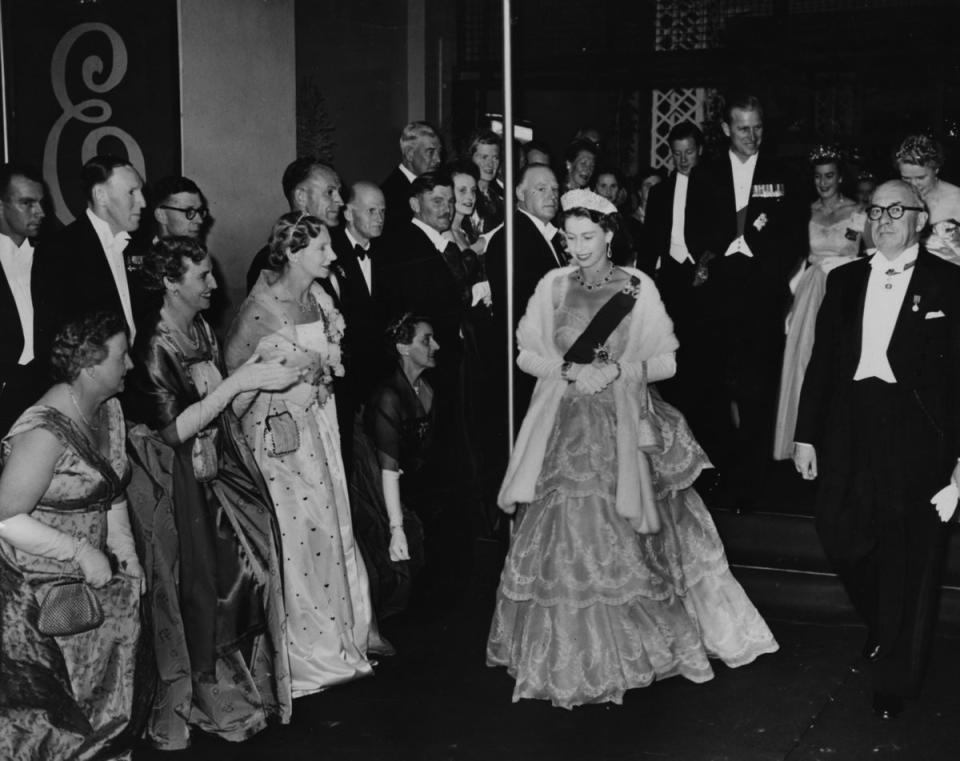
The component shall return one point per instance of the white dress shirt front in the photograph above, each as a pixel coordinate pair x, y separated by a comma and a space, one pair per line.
17, 265
548, 231
113, 247
886, 289
678, 245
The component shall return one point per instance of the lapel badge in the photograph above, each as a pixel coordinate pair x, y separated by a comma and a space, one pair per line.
916, 302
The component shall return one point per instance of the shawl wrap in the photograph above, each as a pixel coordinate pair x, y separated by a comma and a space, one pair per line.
650, 334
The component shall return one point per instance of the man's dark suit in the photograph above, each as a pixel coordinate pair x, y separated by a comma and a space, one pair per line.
533, 257
883, 450
745, 300
396, 194
20, 385
363, 313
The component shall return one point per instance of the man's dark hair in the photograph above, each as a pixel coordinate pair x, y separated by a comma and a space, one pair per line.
11, 170
684, 131
428, 181
743, 101
537, 145
298, 171
170, 186
98, 170
522, 176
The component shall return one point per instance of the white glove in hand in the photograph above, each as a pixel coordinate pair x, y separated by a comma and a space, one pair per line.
120, 542
398, 544
945, 501
590, 380
30, 535
253, 375
481, 292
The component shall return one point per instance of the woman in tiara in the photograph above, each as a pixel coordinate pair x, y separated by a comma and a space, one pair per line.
615, 575
835, 229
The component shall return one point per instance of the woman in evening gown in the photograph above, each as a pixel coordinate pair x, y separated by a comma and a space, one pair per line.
295, 439
836, 227
615, 575
204, 516
84, 695
391, 449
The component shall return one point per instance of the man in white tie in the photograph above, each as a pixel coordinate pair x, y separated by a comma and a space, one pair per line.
745, 227
84, 267
879, 427
21, 212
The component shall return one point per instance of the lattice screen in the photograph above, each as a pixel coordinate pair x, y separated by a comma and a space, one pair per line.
680, 25
670, 107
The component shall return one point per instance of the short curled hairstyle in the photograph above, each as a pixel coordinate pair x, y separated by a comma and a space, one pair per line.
82, 343
291, 233
481, 137
402, 330
167, 259
608, 222
578, 146
920, 150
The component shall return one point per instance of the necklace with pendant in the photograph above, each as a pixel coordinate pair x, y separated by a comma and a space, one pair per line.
76, 406
599, 283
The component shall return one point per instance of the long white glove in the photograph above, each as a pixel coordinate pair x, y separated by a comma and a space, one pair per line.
120, 542
659, 367
391, 496
251, 376
540, 367
30, 535
945, 501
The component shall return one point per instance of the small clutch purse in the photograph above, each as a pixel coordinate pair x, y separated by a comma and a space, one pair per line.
282, 436
203, 455
69, 607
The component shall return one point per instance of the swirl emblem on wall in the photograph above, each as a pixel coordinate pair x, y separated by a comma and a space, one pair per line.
90, 111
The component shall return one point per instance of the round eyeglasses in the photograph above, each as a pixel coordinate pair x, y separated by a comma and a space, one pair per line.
190, 212
894, 211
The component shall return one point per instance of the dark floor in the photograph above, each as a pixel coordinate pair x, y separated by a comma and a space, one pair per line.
437, 700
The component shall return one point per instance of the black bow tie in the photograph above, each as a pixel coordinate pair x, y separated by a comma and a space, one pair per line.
360, 252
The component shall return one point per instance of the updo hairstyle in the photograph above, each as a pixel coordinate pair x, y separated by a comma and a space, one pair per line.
920, 150
291, 233
166, 260
608, 222
82, 343
403, 330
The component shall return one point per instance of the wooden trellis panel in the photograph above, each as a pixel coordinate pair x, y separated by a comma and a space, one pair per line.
669, 108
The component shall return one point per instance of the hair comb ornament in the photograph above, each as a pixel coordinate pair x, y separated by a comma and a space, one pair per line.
586, 199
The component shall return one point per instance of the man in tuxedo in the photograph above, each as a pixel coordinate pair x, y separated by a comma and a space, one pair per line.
310, 187
21, 212
744, 227
84, 267
879, 426
538, 248
420, 151
669, 257
360, 259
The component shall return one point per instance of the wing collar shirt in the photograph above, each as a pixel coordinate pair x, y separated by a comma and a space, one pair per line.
547, 230
365, 262
407, 173
886, 288
678, 246
17, 264
113, 247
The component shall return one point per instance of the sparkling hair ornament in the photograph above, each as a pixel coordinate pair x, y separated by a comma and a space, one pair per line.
586, 199
825, 154
920, 150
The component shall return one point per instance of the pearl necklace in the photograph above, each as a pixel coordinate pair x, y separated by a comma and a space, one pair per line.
599, 283
76, 406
